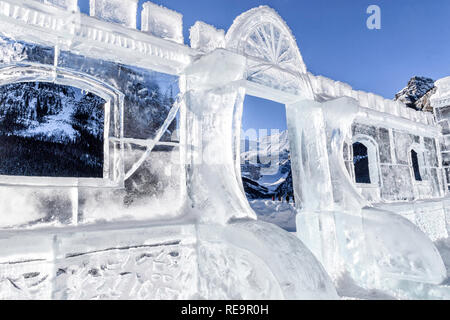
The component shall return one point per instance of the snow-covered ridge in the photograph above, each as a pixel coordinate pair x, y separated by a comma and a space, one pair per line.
266, 166
416, 94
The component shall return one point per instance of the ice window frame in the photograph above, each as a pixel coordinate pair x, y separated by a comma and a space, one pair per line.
421, 162
373, 161
113, 164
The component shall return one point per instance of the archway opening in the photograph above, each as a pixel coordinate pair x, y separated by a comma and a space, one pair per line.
415, 165
265, 162
51, 130
361, 163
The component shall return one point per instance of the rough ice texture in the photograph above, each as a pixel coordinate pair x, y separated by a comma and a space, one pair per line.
71, 5
205, 37
240, 261
117, 11
428, 215
162, 22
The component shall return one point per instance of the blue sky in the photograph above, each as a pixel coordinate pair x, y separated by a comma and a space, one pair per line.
335, 42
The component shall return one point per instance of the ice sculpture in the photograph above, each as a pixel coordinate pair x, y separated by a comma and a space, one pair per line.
168, 218
337, 223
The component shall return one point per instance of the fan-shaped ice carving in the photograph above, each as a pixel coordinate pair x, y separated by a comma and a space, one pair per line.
260, 33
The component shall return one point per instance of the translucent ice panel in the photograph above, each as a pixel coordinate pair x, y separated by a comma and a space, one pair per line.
118, 11
148, 95
400, 249
17, 51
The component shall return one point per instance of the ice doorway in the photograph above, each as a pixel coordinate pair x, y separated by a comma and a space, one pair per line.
265, 164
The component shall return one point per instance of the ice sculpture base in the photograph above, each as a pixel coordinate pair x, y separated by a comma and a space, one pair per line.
242, 260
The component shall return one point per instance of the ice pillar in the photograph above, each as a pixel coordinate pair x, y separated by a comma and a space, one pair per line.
316, 134
211, 92
310, 171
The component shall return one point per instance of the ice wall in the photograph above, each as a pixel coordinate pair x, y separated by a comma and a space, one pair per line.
139, 103
340, 228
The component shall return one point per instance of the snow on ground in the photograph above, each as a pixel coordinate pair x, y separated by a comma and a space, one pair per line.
279, 213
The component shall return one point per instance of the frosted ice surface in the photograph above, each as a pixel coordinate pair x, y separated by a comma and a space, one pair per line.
162, 22
117, 11
297, 273
71, 5
205, 37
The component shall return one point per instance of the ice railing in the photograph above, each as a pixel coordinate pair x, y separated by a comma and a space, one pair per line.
329, 88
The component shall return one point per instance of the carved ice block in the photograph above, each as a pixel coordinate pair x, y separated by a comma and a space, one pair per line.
117, 11
205, 37
162, 22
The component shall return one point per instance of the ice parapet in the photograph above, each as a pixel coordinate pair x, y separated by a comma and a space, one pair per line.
205, 37
117, 11
162, 22
70, 5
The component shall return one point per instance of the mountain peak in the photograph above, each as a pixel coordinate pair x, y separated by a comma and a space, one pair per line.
415, 95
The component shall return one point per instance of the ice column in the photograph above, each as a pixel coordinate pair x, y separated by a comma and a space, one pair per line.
311, 176
207, 128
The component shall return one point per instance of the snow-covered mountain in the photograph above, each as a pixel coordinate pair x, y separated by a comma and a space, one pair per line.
49, 112
266, 167
417, 93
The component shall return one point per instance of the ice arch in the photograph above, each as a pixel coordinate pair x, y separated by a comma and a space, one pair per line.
372, 155
273, 57
262, 33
